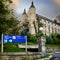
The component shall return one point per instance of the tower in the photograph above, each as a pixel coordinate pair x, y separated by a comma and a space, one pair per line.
33, 26
58, 19
24, 20
32, 12
24, 16
29, 20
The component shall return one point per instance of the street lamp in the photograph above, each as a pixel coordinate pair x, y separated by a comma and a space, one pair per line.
41, 44
41, 28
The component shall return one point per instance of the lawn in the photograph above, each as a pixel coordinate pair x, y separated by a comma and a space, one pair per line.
53, 45
12, 47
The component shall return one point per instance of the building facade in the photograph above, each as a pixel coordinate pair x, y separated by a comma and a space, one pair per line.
29, 20
50, 26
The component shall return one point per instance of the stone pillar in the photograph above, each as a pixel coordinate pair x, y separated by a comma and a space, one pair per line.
41, 45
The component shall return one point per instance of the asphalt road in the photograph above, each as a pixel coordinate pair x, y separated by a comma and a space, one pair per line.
56, 56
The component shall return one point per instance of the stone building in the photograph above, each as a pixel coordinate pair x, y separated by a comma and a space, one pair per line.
29, 20
50, 26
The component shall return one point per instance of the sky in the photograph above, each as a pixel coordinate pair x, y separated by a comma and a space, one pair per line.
46, 8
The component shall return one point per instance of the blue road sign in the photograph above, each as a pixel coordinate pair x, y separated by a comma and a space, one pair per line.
14, 39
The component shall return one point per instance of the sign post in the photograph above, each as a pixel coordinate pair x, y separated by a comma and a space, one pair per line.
13, 39
26, 44
2, 44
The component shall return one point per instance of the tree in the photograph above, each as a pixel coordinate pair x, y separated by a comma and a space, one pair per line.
49, 40
7, 25
33, 39
55, 38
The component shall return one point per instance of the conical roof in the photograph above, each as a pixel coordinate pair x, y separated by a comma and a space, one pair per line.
24, 11
32, 5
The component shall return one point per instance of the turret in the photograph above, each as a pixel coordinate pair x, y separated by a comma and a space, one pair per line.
24, 15
32, 5
32, 9
58, 19
24, 12
33, 26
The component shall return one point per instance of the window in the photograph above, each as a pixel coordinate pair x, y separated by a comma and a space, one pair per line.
49, 28
52, 29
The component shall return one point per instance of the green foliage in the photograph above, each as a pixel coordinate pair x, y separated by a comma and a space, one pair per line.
30, 38
7, 26
39, 23
12, 47
53, 39
58, 35
33, 39
35, 27
49, 40
56, 38
3, 10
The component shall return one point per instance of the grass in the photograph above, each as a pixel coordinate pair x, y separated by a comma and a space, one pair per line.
53, 45
11, 47
46, 56
29, 43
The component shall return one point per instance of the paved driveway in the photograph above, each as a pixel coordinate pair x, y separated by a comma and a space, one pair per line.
56, 56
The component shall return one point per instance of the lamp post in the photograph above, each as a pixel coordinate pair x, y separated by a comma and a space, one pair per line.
41, 44
41, 28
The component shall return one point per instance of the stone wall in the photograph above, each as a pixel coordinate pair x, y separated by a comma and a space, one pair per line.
19, 57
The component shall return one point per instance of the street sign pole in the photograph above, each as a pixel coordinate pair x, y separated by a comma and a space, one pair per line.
26, 44
2, 44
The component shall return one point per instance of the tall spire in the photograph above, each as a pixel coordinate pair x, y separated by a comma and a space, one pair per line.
24, 11
32, 2
32, 5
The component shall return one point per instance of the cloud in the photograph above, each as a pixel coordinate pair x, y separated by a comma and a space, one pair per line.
15, 3
57, 1
48, 8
